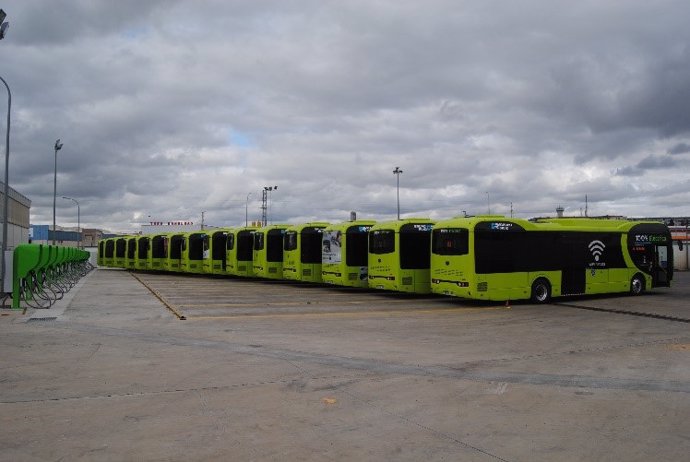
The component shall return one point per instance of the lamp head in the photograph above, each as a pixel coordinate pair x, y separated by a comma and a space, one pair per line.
58, 145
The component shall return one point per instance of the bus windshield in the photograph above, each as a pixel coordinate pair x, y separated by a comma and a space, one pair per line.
450, 241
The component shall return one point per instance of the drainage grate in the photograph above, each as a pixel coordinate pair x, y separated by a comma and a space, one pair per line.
51, 318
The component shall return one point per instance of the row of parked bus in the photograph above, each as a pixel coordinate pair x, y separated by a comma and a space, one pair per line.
483, 257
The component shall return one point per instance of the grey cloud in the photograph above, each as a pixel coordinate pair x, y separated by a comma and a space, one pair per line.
680, 148
333, 95
656, 162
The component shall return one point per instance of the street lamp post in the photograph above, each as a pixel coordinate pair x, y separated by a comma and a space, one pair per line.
3, 30
58, 146
397, 173
7, 181
246, 213
265, 198
78, 219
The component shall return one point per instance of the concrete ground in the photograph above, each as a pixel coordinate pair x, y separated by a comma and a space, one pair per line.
278, 371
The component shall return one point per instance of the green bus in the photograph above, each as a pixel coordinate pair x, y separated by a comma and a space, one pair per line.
345, 253
141, 261
267, 257
399, 254
302, 245
498, 258
177, 243
158, 252
239, 251
108, 252
120, 252
101, 252
195, 252
215, 263
131, 252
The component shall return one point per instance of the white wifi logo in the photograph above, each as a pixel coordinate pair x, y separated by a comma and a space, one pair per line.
597, 248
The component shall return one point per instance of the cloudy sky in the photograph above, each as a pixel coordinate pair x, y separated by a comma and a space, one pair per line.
170, 108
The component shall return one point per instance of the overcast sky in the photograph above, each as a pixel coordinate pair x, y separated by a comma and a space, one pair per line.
170, 108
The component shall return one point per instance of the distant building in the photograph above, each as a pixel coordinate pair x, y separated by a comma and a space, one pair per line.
91, 237
156, 227
43, 234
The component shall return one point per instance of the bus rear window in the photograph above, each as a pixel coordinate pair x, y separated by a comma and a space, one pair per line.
274, 245
244, 245
356, 246
382, 241
312, 241
450, 241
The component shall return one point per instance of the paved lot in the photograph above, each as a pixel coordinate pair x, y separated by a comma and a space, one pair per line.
278, 371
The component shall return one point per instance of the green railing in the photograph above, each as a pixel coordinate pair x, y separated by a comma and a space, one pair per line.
44, 273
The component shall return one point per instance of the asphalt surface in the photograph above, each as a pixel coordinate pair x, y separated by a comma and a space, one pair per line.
262, 370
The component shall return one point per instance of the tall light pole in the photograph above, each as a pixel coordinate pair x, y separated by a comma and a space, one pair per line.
3, 29
397, 173
5, 201
78, 218
246, 213
488, 203
58, 146
264, 203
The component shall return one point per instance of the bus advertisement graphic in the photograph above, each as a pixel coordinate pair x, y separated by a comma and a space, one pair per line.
331, 252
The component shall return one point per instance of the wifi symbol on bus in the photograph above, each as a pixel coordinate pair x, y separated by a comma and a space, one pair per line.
597, 248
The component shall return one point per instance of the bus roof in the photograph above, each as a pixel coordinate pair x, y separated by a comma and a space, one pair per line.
268, 228
345, 225
397, 224
312, 224
546, 224
242, 228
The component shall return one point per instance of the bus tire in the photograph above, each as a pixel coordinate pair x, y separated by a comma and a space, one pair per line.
637, 284
541, 291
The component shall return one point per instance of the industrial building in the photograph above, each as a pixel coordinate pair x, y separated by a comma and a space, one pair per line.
17, 217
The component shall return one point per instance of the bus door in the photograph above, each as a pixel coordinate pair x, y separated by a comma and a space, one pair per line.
660, 269
573, 272
573, 281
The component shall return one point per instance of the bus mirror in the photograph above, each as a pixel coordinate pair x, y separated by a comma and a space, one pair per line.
680, 245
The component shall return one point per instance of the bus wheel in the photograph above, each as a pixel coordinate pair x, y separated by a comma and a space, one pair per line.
637, 284
541, 291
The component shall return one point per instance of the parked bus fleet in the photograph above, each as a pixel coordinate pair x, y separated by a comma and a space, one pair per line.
486, 257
